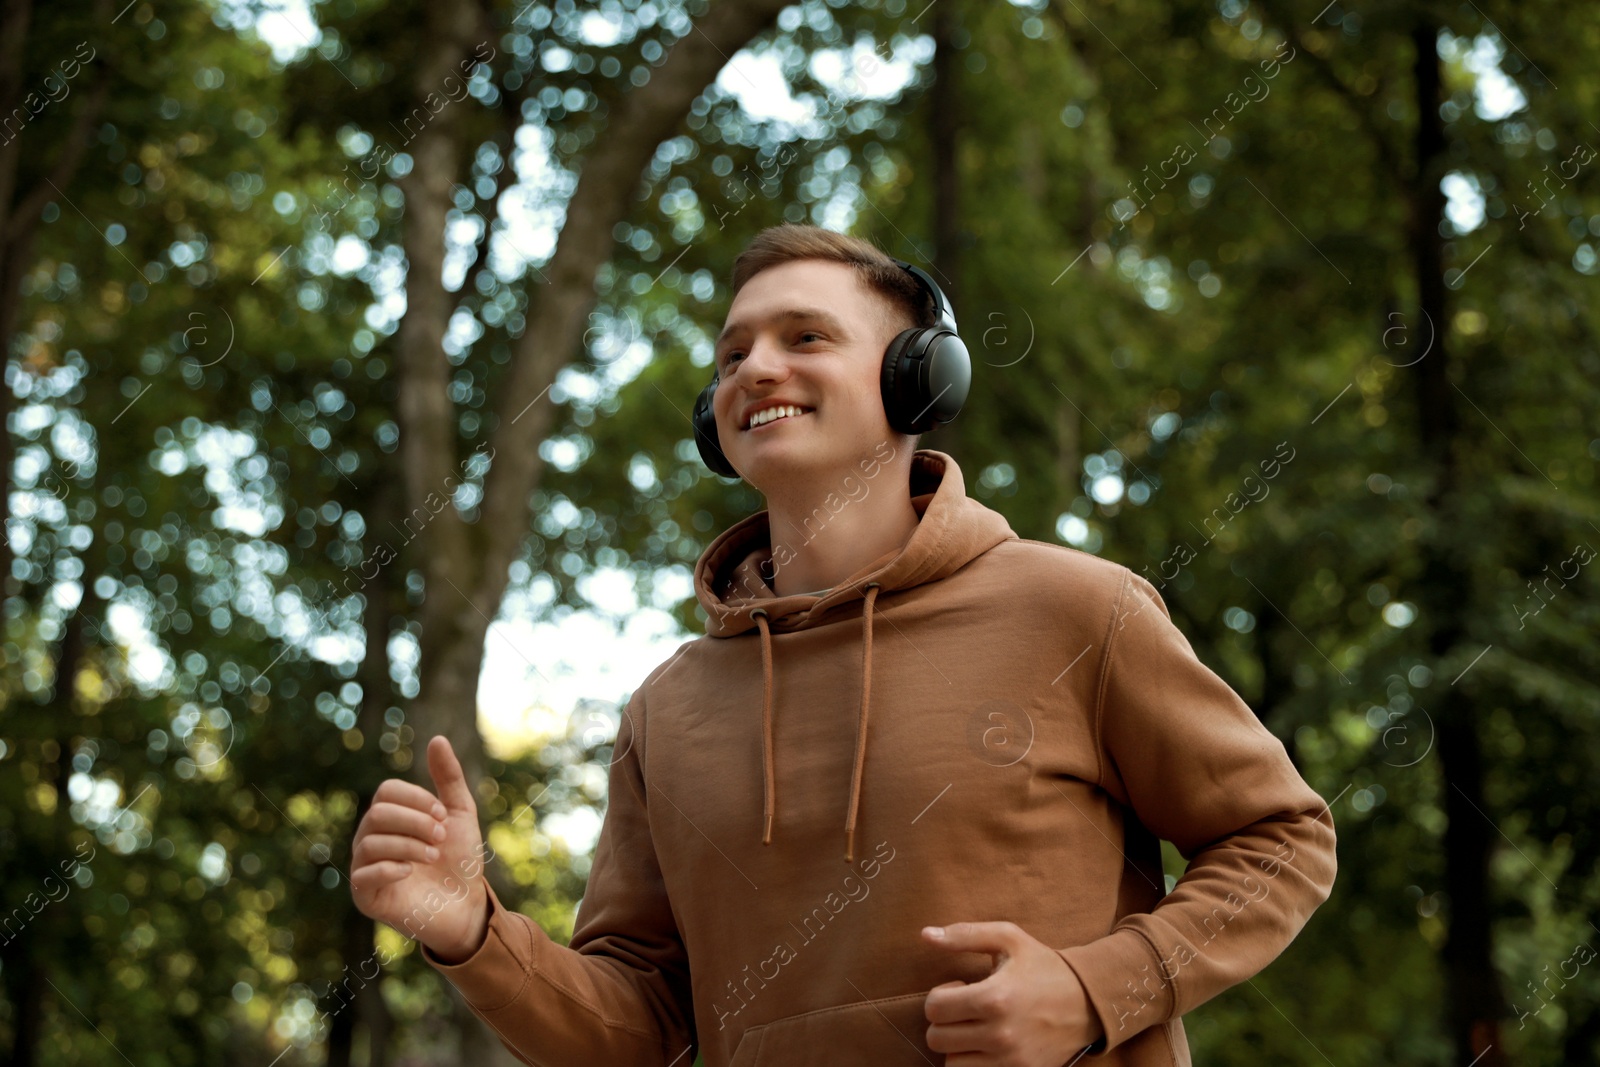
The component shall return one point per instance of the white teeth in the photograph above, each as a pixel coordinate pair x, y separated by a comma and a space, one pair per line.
766, 415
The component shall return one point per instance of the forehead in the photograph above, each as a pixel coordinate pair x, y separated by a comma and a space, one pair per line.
815, 289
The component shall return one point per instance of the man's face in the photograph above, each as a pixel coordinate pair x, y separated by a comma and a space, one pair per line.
807, 333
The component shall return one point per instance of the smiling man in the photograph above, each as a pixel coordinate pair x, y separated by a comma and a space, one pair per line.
1000, 730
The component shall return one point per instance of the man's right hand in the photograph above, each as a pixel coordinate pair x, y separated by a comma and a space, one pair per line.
417, 860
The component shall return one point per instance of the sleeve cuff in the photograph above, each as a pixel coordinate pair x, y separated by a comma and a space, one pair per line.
496, 974
1121, 974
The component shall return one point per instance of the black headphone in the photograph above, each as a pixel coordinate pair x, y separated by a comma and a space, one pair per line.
927, 372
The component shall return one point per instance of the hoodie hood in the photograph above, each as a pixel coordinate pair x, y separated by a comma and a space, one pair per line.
732, 581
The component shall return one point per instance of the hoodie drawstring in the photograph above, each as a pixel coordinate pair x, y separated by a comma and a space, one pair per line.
769, 788
861, 726
769, 778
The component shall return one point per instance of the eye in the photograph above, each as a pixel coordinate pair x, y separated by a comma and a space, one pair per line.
810, 333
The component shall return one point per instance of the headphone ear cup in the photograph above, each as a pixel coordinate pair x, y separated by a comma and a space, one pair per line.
927, 374
946, 377
705, 433
888, 378
893, 384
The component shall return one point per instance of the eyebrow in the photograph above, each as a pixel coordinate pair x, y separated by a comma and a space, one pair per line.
786, 315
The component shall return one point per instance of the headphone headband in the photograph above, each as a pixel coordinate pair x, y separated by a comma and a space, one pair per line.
941, 304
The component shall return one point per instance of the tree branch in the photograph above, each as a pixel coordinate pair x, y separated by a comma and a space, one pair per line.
76, 142
643, 118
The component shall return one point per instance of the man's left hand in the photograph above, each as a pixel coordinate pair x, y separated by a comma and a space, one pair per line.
1030, 1012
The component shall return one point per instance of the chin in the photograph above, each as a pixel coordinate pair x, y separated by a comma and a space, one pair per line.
769, 471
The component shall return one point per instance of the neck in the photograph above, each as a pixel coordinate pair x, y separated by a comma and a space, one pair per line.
831, 535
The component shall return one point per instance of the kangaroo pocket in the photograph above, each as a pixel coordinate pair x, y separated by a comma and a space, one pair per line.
883, 1032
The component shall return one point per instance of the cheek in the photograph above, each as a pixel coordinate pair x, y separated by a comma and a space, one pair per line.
867, 402
863, 395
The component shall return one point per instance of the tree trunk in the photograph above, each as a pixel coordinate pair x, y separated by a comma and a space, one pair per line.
14, 18
426, 414
1069, 457
365, 1010
20, 211
1476, 1002
25, 986
464, 576
944, 131
39, 942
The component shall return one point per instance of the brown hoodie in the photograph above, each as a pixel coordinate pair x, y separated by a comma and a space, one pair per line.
976, 727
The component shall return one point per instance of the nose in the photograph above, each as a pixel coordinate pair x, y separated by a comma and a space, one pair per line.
764, 362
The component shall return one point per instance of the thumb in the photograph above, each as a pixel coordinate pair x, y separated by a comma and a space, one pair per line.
448, 778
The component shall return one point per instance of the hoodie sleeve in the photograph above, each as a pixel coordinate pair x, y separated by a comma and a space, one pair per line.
1181, 749
619, 992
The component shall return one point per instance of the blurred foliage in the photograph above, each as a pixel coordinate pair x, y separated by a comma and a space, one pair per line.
203, 423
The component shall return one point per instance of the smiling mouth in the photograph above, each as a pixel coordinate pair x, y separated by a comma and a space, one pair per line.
783, 413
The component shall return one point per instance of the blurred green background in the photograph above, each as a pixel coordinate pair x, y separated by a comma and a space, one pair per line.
349, 351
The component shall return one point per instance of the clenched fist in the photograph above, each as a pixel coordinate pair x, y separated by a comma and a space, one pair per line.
417, 861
